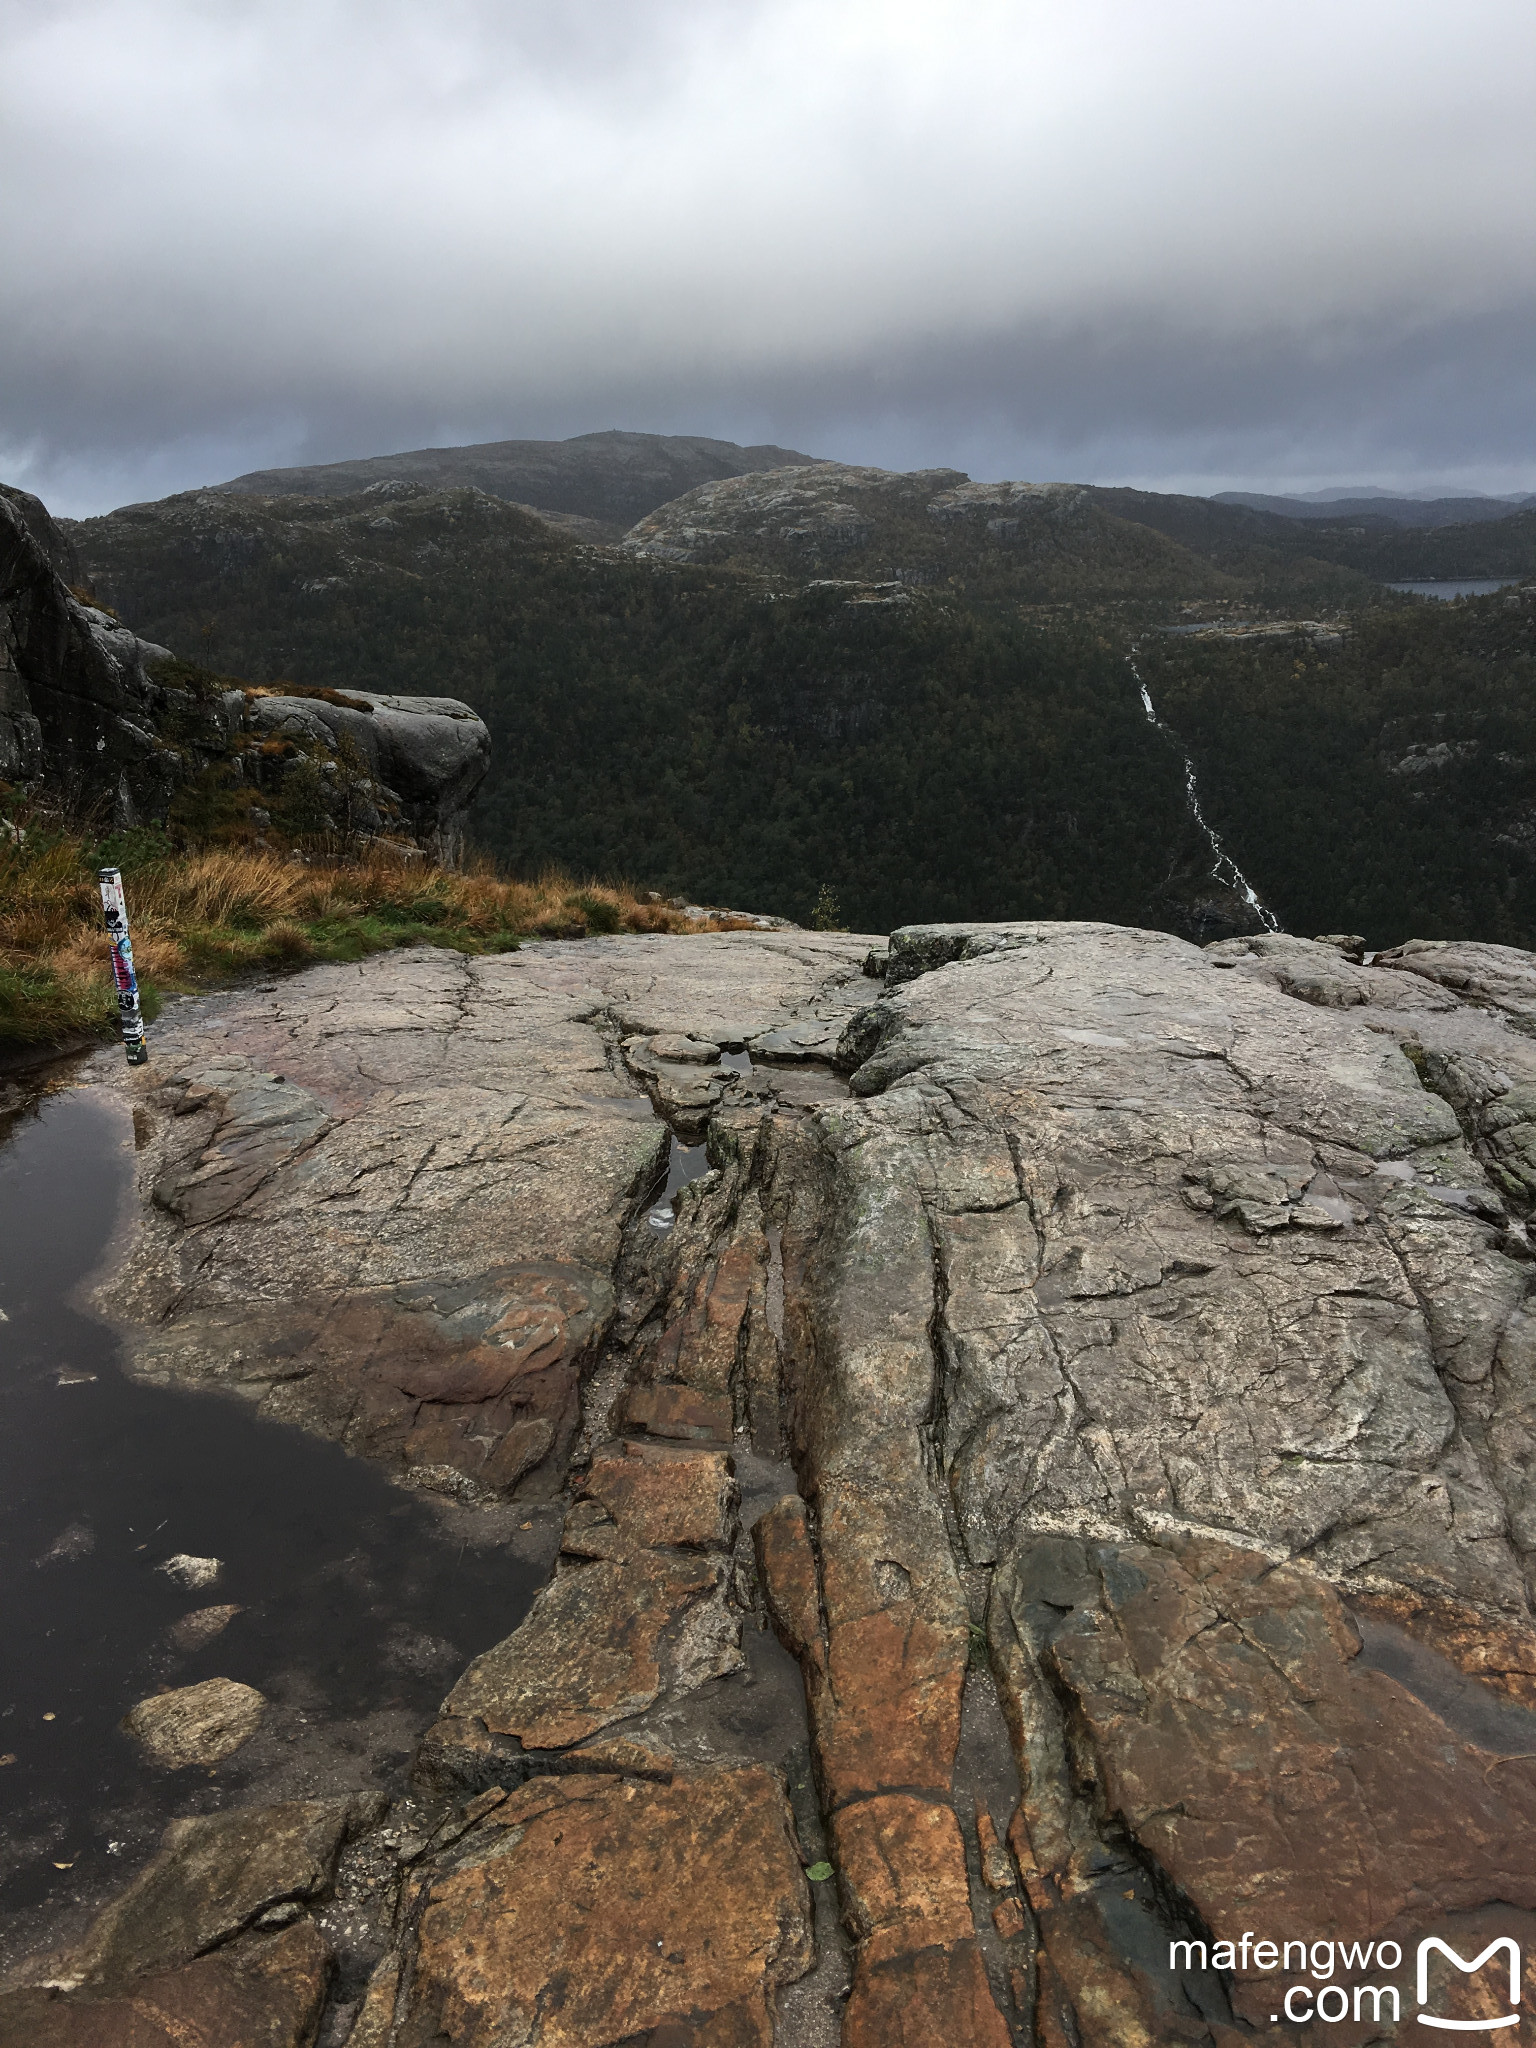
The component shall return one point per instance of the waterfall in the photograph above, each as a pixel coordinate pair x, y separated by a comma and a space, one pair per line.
1224, 868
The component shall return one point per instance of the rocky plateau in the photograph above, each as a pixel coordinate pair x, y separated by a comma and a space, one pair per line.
885, 534
1042, 1419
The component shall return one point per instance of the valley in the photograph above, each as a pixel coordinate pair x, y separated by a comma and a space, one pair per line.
905, 695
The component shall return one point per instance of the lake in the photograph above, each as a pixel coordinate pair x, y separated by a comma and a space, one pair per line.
1448, 587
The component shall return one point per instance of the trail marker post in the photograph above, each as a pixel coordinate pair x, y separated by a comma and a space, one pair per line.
115, 909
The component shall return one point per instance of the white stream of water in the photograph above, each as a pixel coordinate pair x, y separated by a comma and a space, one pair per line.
1224, 868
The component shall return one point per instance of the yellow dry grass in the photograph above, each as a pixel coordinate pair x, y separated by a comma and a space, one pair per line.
202, 915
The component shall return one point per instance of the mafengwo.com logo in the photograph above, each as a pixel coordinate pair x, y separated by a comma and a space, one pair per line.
1312, 1994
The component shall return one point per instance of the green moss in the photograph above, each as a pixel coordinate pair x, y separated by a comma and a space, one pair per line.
214, 809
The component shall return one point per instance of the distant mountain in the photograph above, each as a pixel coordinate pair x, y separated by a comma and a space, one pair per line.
1375, 507
1283, 560
1337, 491
1278, 562
911, 690
893, 532
610, 478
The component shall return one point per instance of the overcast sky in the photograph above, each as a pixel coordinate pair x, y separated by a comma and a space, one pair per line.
1192, 244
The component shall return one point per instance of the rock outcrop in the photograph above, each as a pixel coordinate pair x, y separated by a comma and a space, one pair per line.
74, 685
370, 762
211, 1944
885, 534
421, 1224
92, 716
604, 481
1059, 1485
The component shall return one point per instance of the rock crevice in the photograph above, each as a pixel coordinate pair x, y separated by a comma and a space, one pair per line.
1068, 1495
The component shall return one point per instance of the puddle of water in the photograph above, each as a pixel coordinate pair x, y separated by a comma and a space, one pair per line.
360, 1603
684, 1163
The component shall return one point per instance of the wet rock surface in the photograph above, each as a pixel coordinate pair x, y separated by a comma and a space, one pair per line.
348, 1603
264, 1992
391, 1206
197, 1724
214, 1876
715, 1903
1060, 1493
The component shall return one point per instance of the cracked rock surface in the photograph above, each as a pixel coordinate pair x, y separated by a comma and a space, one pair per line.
389, 1205
1060, 1485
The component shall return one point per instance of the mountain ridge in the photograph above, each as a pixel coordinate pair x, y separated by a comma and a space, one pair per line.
843, 680
612, 477
1382, 508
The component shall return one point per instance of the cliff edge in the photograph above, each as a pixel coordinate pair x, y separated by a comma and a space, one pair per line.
98, 721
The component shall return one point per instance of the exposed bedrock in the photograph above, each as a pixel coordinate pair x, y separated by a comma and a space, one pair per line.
1063, 1490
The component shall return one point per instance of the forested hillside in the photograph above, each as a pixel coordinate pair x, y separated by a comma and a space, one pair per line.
854, 702
697, 728
1326, 564
1032, 544
1386, 787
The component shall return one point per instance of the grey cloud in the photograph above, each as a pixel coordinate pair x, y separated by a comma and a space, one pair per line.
1171, 244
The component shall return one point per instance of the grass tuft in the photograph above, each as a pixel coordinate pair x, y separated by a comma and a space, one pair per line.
204, 915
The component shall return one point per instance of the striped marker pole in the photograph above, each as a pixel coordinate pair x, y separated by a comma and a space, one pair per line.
116, 912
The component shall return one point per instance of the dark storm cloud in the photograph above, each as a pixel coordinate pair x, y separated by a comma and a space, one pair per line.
1190, 242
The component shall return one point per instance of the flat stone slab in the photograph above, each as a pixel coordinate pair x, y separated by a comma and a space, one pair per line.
388, 1201
593, 1910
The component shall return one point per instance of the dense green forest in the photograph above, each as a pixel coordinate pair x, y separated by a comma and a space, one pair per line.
698, 730
1385, 787
758, 737
1491, 547
1313, 562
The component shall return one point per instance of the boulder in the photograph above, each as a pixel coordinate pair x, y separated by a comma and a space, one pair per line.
94, 716
196, 1724
199, 1628
418, 760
